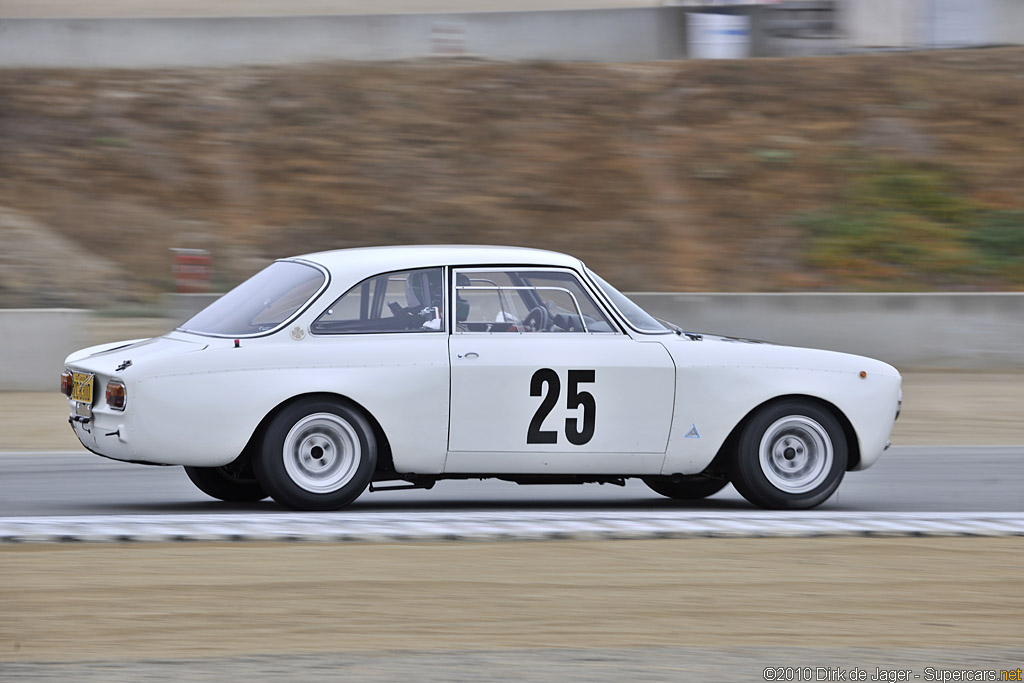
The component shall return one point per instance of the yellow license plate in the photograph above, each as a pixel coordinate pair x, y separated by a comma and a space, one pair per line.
81, 391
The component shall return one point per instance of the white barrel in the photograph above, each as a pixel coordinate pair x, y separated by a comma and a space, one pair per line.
718, 36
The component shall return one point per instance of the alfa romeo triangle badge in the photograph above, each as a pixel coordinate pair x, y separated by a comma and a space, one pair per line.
693, 433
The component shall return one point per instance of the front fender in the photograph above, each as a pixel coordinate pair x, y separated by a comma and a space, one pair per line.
712, 400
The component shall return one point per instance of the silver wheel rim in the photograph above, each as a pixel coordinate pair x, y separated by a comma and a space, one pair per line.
796, 454
322, 453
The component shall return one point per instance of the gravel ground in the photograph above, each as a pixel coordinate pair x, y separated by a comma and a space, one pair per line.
738, 664
696, 609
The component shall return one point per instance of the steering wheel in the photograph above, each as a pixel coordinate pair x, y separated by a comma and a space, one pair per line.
536, 320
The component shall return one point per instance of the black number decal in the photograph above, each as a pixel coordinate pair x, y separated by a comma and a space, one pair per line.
576, 434
543, 376
578, 431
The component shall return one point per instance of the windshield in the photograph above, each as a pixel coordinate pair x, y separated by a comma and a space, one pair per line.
263, 302
637, 317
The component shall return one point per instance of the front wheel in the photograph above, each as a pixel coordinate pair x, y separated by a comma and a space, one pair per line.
233, 483
317, 454
790, 456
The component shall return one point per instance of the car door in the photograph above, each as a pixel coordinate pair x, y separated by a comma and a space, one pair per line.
543, 380
383, 344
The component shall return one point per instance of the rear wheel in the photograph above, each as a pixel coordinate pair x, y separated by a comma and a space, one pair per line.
317, 454
234, 483
791, 455
686, 487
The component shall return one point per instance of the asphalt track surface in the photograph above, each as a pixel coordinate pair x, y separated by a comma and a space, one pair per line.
906, 479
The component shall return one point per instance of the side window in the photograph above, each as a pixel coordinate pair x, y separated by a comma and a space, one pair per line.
407, 301
567, 300
525, 301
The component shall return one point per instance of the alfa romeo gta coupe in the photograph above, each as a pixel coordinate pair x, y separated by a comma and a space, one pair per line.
332, 372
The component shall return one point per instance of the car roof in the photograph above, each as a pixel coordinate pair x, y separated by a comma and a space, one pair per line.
373, 260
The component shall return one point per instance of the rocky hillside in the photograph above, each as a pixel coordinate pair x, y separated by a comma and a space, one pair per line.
868, 172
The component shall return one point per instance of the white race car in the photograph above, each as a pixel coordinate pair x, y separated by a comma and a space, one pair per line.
328, 373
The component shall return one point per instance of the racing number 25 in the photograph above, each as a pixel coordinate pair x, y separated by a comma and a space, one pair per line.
577, 431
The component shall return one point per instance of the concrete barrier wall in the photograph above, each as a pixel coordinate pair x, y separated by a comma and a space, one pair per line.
177, 308
34, 344
932, 23
635, 34
963, 331
602, 35
951, 331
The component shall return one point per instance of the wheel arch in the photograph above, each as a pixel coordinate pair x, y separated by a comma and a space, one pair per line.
385, 462
725, 452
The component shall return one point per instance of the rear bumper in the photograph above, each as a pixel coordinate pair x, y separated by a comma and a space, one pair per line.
104, 434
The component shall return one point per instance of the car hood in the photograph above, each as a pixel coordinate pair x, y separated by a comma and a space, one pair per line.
107, 358
735, 340
710, 349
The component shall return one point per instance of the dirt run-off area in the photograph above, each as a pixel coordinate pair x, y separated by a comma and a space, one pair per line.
749, 175
893, 599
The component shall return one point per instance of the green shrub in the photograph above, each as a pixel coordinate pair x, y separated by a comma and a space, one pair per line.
902, 226
999, 237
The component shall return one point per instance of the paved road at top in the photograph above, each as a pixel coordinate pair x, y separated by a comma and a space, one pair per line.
908, 479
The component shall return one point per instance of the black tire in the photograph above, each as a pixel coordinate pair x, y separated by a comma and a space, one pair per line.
234, 483
791, 455
687, 487
317, 454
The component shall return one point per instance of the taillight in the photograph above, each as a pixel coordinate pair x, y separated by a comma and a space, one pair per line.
67, 383
116, 394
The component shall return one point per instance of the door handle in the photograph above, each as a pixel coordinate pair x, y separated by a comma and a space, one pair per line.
471, 354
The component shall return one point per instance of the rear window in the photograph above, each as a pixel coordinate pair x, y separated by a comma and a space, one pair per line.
264, 302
